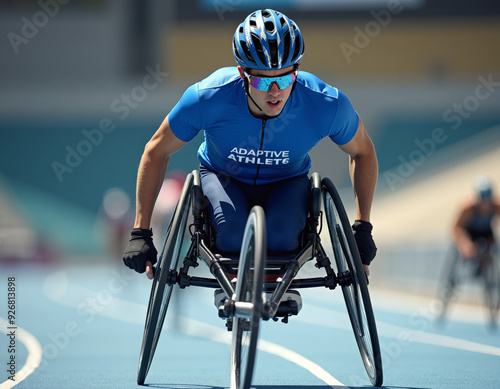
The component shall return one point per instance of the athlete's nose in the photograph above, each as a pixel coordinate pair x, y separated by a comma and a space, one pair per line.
274, 90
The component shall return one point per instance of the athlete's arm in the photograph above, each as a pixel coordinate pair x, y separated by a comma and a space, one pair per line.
495, 221
464, 243
363, 167
152, 169
496, 206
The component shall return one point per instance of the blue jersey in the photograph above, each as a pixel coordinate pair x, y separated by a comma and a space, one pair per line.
480, 226
255, 150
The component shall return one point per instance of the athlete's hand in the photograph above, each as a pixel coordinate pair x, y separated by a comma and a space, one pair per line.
467, 249
140, 254
364, 240
150, 270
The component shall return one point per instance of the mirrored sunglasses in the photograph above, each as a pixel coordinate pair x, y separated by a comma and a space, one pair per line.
264, 83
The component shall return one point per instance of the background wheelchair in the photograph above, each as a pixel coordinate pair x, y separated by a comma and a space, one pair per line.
255, 287
483, 269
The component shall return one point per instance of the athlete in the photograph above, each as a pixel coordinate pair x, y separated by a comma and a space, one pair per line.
473, 228
260, 120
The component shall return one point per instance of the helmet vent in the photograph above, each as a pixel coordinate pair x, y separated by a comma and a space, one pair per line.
286, 43
297, 47
270, 28
235, 50
273, 48
247, 52
258, 48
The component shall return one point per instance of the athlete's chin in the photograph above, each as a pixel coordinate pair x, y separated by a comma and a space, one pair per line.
273, 109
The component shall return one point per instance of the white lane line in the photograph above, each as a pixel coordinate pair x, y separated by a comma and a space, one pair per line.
34, 354
394, 331
58, 289
334, 319
204, 330
408, 303
296, 358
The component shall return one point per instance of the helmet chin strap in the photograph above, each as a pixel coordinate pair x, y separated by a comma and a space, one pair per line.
251, 98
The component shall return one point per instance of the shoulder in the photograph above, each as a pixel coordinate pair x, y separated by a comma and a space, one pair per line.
318, 92
309, 83
468, 204
224, 77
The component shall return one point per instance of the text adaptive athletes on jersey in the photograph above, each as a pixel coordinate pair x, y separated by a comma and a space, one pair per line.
260, 157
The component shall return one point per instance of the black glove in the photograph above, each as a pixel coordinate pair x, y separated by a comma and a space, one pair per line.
140, 249
364, 240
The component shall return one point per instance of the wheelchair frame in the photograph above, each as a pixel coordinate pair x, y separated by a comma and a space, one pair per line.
244, 303
483, 268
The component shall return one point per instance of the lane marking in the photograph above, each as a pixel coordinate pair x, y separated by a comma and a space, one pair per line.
407, 303
341, 321
296, 358
58, 289
203, 330
34, 354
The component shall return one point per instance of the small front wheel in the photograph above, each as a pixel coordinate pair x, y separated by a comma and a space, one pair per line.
248, 301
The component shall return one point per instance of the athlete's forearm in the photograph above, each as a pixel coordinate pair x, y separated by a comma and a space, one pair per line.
364, 174
150, 176
460, 235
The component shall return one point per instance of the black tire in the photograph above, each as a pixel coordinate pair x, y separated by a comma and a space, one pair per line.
160, 290
249, 288
492, 290
453, 278
354, 282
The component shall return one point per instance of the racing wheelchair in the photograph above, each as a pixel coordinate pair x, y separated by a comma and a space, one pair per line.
254, 287
483, 269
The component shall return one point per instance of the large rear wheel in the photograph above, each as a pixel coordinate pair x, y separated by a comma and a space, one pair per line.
454, 273
353, 281
163, 284
491, 275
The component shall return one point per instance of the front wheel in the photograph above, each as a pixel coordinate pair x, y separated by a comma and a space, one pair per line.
353, 281
248, 300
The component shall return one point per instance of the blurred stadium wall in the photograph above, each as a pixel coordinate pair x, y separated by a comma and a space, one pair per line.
424, 76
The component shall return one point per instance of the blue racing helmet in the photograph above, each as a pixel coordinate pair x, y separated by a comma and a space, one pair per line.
484, 187
267, 39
